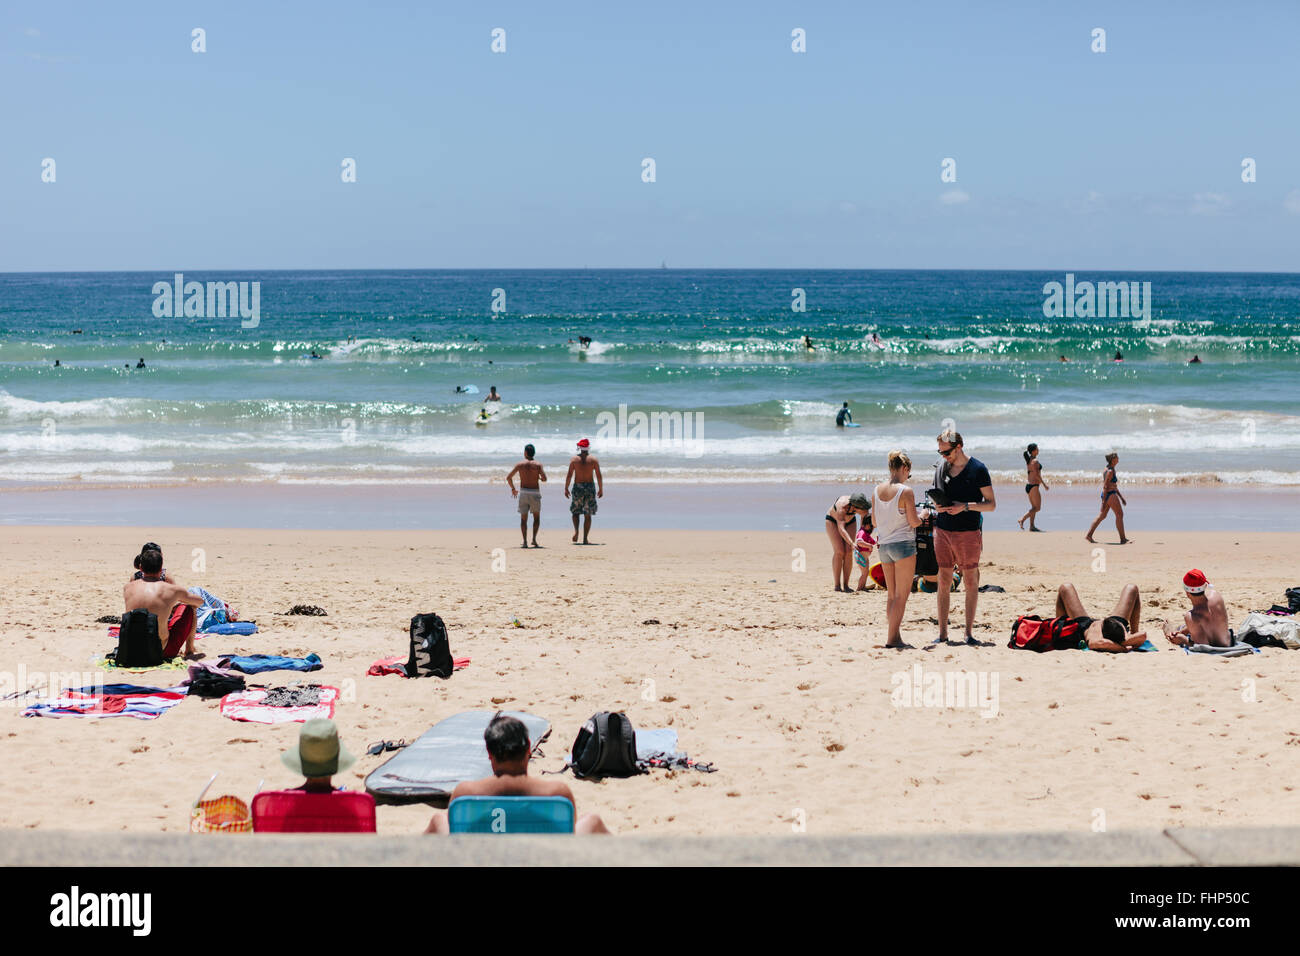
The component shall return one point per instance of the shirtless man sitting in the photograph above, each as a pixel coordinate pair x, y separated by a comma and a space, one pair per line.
583, 467
152, 593
529, 494
508, 750
1118, 633
1207, 621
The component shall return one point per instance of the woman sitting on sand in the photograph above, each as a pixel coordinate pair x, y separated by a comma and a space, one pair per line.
894, 505
841, 527
1034, 488
1111, 500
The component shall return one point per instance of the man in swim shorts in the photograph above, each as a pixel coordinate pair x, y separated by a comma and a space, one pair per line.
1117, 634
1207, 621
171, 604
583, 467
508, 750
529, 494
959, 536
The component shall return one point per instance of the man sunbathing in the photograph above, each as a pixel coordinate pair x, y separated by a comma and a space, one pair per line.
170, 603
508, 749
1207, 621
1117, 634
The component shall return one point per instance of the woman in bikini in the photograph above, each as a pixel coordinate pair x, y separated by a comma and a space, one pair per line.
1034, 488
1111, 500
841, 528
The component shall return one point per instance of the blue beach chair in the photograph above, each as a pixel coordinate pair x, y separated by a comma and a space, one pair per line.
510, 815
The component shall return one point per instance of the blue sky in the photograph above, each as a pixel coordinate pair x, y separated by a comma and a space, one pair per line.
1066, 159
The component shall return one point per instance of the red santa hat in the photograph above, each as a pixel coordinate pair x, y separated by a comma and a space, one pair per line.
584, 443
1194, 582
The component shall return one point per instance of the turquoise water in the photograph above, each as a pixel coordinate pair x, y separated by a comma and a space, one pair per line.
723, 349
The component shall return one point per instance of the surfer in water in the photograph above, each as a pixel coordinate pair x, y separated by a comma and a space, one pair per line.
843, 416
808, 344
492, 395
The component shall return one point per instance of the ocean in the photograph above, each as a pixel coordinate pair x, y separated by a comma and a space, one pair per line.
690, 376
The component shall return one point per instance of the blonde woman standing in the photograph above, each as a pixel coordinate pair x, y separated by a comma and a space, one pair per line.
893, 509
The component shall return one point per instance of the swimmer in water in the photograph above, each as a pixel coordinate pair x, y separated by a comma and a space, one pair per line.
140, 364
1119, 356
313, 354
492, 395
1194, 360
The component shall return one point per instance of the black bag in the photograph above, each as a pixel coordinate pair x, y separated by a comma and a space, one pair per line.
430, 651
926, 562
606, 747
1293, 599
137, 640
208, 685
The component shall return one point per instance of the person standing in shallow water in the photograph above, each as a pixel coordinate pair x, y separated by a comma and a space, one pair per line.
1111, 500
583, 468
1035, 487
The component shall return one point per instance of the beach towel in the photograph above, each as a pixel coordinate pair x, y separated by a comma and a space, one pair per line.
249, 705
1146, 646
260, 663
107, 663
397, 665
231, 627
1236, 650
111, 700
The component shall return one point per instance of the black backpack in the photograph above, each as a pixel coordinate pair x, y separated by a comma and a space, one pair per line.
606, 747
430, 651
208, 685
137, 640
926, 560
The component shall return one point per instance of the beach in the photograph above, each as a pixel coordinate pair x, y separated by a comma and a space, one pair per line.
760, 668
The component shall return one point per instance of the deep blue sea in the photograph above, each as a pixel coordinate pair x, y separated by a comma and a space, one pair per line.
719, 355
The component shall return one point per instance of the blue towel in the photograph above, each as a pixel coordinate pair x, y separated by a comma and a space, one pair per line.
257, 663
1146, 646
233, 627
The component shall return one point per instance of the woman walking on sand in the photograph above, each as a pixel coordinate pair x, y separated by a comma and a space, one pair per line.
1111, 500
893, 507
1034, 488
841, 527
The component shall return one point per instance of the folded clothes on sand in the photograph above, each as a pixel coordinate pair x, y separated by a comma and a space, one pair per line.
232, 627
259, 663
111, 700
1263, 630
253, 706
397, 665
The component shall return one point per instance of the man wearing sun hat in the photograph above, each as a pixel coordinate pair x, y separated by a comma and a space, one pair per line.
318, 756
1207, 621
583, 468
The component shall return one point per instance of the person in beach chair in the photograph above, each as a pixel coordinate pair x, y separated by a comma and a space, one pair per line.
169, 603
509, 750
1116, 634
1207, 621
315, 806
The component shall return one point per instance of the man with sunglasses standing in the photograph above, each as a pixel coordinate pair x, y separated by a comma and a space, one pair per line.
958, 536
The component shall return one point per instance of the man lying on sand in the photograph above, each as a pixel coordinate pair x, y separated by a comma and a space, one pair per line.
1118, 633
152, 593
1207, 621
508, 749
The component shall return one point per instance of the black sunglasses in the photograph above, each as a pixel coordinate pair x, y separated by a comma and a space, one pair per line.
947, 451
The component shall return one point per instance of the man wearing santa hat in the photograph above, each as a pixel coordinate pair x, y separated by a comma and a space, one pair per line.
588, 485
1207, 621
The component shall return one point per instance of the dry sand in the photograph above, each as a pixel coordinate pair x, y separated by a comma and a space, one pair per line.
761, 669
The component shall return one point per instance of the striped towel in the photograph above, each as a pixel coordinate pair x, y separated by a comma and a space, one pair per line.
112, 700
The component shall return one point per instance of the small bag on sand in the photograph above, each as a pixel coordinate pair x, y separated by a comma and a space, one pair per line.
430, 649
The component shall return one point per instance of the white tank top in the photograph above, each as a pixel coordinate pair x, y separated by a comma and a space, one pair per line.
891, 526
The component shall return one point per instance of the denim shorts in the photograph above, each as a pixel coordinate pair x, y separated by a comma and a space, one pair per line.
898, 551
